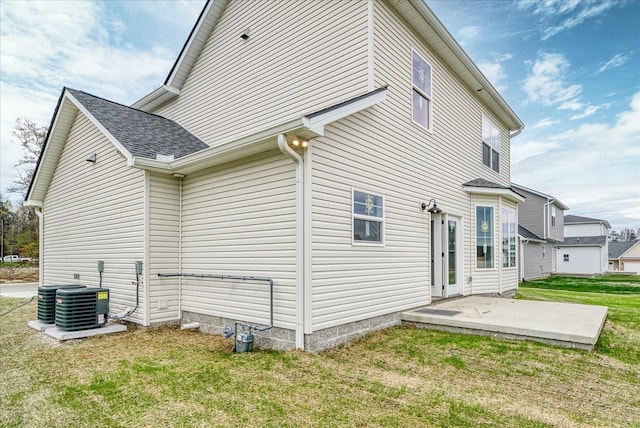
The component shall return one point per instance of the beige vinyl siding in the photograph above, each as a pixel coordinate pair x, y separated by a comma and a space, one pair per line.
288, 67
164, 247
95, 211
239, 219
354, 282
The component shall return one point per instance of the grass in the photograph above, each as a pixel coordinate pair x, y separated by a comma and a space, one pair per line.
398, 377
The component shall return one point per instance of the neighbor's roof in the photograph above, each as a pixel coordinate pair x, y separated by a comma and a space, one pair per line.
584, 241
616, 249
527, 234
576, 219
555, 201
142, 134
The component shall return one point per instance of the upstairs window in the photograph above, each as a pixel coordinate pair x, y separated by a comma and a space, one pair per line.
421, 80
368, 217
490, 144
553, 215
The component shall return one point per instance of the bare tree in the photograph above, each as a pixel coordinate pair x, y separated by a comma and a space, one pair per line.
30, 136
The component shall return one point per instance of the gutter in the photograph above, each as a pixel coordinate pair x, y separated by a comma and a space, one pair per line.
284, 147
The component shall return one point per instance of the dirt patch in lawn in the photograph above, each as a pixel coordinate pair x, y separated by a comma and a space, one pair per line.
18, 274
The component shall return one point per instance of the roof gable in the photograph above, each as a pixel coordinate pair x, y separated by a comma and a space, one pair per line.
548, 198
415, 13
133, 132
141, 134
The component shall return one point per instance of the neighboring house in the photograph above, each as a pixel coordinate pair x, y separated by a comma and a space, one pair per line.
585, 249
630, 259
302, 142
540, 229
616, 249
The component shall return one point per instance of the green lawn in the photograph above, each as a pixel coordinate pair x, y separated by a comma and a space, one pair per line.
398, 377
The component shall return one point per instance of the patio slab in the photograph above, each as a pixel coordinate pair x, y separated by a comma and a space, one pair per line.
562, 324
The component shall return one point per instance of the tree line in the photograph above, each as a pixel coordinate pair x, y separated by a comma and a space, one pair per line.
19, 227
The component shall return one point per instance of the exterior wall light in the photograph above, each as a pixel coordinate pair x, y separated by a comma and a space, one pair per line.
92, 158
297, 142
433, 210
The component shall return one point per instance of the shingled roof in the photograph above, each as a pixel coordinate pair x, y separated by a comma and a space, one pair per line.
584, 241
142, 134
569, 219
527, 234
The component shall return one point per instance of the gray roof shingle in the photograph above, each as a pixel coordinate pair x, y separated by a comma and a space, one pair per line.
584, 241
527, 234
142, 134
616, 249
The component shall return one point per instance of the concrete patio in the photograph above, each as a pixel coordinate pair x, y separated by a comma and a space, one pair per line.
561, 324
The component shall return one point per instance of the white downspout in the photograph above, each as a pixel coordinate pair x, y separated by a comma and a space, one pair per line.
40, 215
545, 218
180, 247
284, 147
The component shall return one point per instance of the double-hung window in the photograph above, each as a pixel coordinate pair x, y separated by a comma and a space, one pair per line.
484, 237
553, 215
490, 144
508, 238
368, 217
421, 80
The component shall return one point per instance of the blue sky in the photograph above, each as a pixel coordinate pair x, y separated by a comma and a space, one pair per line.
569, 69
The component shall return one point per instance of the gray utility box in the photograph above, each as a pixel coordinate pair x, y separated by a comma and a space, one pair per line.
47, 301
81, 309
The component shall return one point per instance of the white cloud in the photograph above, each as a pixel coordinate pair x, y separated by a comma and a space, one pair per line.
79, 44
556, 16
589, 111
545, 123
589, 11
617, 61
469, 32
546, 84
520, 152
594, 168
494, 71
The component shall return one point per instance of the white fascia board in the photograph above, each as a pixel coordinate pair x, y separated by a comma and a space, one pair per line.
45, 155
158, 96
34, 203
237, 148
150, 165
317, 122
102, 129
509, 194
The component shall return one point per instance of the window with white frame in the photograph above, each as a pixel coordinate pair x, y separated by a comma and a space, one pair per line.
484, 237
553, 215
421, 80
544, 252
490, 144
368, 217
565, 257
508, 238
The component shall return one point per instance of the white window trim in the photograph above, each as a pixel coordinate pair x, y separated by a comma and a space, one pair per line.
380, 220
492, 124
509, 210
475, 237
415, 88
